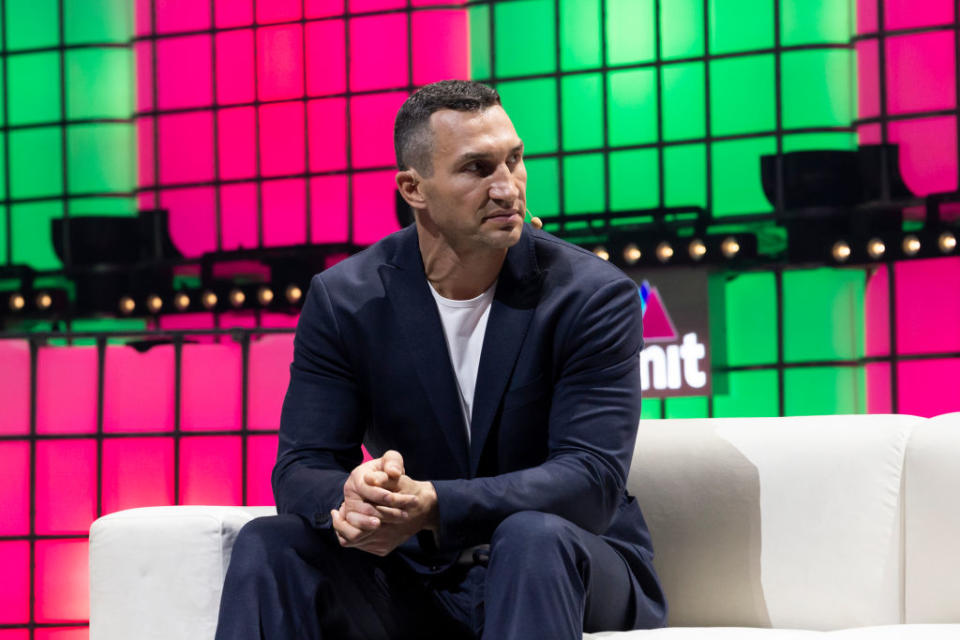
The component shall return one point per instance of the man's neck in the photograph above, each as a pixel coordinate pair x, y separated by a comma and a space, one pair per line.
459, 273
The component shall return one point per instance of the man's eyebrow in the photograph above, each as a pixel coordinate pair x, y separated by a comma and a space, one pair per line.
481, 155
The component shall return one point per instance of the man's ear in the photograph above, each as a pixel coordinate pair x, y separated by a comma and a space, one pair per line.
409, 183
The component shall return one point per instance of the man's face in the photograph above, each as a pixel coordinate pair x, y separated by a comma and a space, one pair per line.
476, 197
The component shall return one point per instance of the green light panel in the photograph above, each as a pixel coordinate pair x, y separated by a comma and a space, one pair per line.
68, 145
696, 84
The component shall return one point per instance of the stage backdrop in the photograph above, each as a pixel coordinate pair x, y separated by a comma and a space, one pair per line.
268, 123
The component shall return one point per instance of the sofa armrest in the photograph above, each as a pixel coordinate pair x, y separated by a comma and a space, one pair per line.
156, 573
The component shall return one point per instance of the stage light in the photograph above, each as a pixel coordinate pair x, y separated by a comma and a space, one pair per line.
947, 242
237, 298
840, 251
730, 247
911, 245
876, 248
154, 304
127, 305
44, 301
631, 254
601, 252
17, 302
664, 252
209, 299
181, 301
294, 293
265, 296
697, 249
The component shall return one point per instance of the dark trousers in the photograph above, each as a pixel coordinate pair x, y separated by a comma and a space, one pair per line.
546, 578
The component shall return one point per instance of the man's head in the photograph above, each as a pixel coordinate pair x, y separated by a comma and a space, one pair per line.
412, 134
461, 166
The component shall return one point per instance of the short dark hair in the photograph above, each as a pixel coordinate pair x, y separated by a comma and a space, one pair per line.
411, 130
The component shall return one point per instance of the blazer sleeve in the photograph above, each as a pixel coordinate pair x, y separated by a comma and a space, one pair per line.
321, 422
593, 424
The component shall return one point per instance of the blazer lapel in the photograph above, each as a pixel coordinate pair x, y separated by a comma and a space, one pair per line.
518, 290
416, 313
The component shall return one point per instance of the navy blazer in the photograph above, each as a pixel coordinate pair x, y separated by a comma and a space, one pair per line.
555, 410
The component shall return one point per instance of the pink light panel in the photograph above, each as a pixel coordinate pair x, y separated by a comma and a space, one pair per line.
62, 577
66, 390
66, 486
14, 388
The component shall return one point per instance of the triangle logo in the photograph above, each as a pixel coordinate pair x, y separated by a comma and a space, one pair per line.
657, 324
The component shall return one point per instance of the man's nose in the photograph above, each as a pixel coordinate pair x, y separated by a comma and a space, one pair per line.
504, 185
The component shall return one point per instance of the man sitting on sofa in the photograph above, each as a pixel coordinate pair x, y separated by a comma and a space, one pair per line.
493, 371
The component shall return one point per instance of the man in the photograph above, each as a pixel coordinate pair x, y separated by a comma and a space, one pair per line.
493, 371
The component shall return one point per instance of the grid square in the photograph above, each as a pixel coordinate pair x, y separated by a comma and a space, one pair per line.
143, 59
879, 399
61, 633
184, 77
818, 88
479, 22
239, 221
279, 61
582, 111
630, 31
66, 390
137, 472
322, 8
14, 488
210, 470
580, 35
903, 14
737, 188
532, 105
928, 314
62, 581
328, 209
232, 13
750, 394
269, 375
145, 153
684, 101
439, 46
740, 25
210, 388
815, 22
235, 66
692, 407
327, 126
921, 72
928, 388
747, 313
284, 212
378, 52
532, 23
97, 159
97, 21
374, 5
371, 129
651, 409
138, 389
840, 140
192, 221
632, 107
279, 11
15, 587
877, 313
543, 190
742, 95
868, 78
186, 147
174, 16
261, 456
681, 29
35, 160
823, 314
66, 489
685, 175
282, 139
374, 205
33, 88
928, 153
583, 183
15, 387
99, 83
15, 634
634, 179
236, 142
326, 58
32, 242
31, 24
815, 391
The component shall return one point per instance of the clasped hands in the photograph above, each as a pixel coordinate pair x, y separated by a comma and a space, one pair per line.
382, 506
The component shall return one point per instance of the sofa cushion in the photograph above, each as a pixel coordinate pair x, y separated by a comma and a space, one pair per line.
782, 522
932, 521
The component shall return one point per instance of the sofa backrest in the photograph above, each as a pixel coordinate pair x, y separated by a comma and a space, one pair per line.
932, 521
783, 522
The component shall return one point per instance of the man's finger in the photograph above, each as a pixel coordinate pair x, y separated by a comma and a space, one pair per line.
381, 497
391, 515
393, 464
346, 530
362, 521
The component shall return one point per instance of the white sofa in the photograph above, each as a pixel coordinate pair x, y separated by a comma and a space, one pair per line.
844, 527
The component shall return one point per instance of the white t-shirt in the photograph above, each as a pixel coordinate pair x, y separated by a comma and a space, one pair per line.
464, 324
